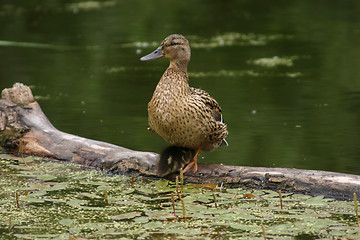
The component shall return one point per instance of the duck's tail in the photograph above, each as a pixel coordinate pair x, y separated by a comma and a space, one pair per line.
172, 159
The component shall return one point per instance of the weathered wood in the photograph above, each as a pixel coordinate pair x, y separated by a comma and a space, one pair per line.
21, 118
312, 182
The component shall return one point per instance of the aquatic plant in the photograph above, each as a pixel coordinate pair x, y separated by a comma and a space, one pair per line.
56, 200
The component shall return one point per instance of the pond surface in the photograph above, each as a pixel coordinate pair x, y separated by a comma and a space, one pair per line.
52, 200
286, 73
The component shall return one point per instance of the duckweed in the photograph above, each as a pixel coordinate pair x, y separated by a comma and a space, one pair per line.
63, 201
237, 39
88, 6
242, 73
222, 40
274, 61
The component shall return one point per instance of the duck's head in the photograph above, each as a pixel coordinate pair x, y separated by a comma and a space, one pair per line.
176, 48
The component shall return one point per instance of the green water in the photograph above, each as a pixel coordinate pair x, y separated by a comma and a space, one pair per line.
286, 73
56, 200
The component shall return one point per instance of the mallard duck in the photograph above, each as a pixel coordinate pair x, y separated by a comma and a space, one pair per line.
187, 118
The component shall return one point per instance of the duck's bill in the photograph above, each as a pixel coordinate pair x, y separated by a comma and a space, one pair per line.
154, 55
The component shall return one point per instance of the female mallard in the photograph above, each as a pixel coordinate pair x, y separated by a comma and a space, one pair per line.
187, 118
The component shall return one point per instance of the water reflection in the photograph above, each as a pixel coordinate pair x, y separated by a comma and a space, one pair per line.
287, 81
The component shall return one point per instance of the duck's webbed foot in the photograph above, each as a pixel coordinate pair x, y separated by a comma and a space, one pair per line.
193, 162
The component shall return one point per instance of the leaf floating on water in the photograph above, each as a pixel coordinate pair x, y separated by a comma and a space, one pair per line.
37, 236
160, 215
124, 216
24, 188
54, 207
179, 230
91, 208
76, 202
153, 225
89, 195
46, 177
37, 193
66, 222
203, 198
55, 200
10, 157
29, 159
144, 190
226, 216
203, 185
102, 188
141, 219
244, 214
319, 200
19, 167
251, 196
145, 198
125, 202
162, 184
32, 199
128, 191
244, 227
58, 186
39, 185
281, 228
93, 183
197, 208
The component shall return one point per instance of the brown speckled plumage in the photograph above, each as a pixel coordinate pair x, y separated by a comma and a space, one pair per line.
184, 116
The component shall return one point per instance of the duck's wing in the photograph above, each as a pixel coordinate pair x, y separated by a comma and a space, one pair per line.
205, 103
210, 103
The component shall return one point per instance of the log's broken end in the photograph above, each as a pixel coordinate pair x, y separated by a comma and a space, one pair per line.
25, 129
19, 94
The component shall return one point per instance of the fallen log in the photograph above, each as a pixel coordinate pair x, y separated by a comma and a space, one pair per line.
21, 118
25, 129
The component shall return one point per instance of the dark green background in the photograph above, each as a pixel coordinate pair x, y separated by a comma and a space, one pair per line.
86, 70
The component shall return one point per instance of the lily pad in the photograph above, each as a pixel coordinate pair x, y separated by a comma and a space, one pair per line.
153, 225
141, 219
37, 194
319, 201
32, 200
66, 222
160, 215
129, 215
58, 186
29, 159
89, 195
76, 202
46, 177
146, 211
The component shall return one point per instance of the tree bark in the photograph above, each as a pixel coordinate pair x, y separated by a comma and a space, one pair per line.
24, 127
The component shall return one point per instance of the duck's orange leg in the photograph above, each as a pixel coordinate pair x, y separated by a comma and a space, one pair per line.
193, 162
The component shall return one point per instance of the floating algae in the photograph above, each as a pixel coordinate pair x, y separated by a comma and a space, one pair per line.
60, 201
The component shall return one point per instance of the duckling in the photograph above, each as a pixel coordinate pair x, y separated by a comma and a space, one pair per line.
187, 118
